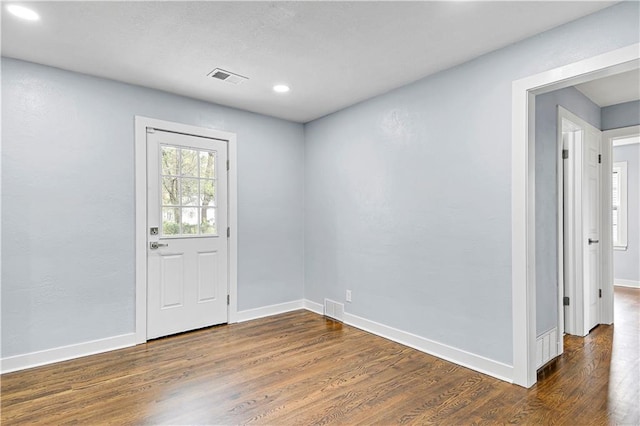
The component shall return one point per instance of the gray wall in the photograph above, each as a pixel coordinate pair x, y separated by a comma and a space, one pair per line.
626, 264
407, 199
547, 195
621, 115
68, 203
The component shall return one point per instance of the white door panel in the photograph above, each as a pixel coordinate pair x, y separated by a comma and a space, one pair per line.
171, 280
187, 218
208, 276
591, 227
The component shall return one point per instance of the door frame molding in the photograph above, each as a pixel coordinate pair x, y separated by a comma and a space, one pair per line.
523, 205
141, 124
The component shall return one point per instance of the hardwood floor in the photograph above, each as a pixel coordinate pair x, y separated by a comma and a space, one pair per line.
299, 368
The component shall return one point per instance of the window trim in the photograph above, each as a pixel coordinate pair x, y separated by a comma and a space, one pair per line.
620, 241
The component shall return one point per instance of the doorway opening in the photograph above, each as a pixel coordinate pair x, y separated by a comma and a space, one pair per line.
523, 194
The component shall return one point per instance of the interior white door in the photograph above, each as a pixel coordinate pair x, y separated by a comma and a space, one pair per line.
187, 251
591, 226
581, 224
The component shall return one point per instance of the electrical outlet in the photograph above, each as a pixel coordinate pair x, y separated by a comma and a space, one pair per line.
348, 298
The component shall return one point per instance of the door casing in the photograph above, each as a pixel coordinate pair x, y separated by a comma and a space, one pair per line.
141, 125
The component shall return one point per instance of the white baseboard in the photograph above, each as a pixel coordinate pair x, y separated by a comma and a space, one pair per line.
546, 347
626, 283
266, 311
64, 353
314, 307
457, 356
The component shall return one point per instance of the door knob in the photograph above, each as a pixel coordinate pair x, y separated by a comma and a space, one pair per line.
155, 245
593, 241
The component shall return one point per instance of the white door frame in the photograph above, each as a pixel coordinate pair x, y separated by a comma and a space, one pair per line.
565, 176
523, 191
141, 124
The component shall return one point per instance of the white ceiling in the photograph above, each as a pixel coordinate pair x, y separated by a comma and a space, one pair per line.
332, 54
612, 90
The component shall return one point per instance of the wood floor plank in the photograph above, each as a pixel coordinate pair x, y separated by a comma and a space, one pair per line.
300, 368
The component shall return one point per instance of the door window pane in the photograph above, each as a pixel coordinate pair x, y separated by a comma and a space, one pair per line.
207, 165
189, 192
208, 192
170, 160
170, 221
170, 191
190, 220
208, 223
189, 162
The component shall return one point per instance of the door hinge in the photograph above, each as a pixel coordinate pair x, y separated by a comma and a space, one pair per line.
228, 232
599, 158
565, 301
565, 154
599, 292
227, 165
228, 299
151, 130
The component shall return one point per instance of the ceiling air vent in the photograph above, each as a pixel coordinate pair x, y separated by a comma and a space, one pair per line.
227, 76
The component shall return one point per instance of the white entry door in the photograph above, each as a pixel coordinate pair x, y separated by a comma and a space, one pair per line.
187, 252
591, 226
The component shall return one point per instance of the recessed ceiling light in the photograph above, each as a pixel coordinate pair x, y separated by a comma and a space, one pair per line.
23, 12
281, 88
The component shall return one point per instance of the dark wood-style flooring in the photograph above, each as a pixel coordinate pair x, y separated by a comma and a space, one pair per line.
300, 368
